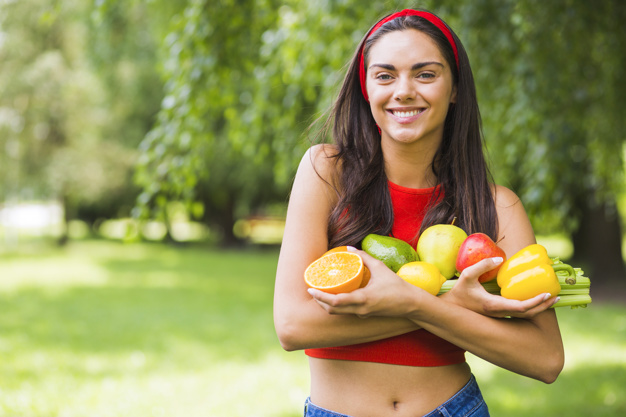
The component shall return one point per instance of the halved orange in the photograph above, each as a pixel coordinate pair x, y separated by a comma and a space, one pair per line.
335, 272
366, 277
337, 249
366, 271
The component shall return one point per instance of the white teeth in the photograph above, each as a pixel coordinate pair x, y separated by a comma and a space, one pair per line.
407, 113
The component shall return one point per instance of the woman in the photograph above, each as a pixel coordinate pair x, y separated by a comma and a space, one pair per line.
407, 154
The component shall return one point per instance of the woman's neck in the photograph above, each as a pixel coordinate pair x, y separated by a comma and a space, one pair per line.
410, 166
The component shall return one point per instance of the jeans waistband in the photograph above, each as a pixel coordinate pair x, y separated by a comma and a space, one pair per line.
468, 401
312, 410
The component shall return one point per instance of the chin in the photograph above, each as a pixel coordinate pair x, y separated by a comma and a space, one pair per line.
407, 136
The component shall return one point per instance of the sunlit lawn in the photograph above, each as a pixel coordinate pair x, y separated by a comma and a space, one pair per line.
106, 329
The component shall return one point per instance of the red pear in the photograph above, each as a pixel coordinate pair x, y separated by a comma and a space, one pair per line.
475, 248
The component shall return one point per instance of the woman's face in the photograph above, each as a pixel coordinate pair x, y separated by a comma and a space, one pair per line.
410, 88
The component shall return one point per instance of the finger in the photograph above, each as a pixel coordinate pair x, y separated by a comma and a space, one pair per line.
342, 300
322, 297
342, 309
368, 260
330, 309
481, 267
523, 309
535, 311
538, 304
536, 301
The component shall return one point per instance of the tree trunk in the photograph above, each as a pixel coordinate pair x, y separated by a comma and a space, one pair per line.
222, 218
168, 238
598, 246
68, 210
227, 225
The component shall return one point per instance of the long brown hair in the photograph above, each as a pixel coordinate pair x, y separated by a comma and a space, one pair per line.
364, 205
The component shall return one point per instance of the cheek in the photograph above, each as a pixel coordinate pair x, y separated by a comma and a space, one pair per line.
376, 100
379, 97
377, 112
441, 94
373, 91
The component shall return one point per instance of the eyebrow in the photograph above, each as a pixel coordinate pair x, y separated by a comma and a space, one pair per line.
413, 68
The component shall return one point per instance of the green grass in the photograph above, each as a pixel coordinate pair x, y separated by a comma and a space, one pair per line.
107, 329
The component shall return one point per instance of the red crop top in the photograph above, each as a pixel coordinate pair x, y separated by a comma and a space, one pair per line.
417, 348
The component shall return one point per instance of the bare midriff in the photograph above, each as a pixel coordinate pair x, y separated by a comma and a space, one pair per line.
363, 389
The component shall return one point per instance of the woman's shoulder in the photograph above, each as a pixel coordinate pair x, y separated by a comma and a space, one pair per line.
322, 153
504, 197
314, 192
322, 160
514, 228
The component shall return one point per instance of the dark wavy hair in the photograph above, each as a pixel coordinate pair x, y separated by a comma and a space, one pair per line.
364, 204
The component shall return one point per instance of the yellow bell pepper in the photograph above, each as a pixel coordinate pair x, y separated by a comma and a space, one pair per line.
531, 272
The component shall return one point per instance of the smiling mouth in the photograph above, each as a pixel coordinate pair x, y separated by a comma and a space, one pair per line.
411, 113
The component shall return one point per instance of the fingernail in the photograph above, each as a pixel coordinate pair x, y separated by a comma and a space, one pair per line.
548, 295
556, 300
497, 260
351, 248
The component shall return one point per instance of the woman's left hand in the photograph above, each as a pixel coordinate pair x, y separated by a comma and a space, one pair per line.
386, 294
469, 293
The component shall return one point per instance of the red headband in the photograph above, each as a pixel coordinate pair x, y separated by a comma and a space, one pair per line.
407, 12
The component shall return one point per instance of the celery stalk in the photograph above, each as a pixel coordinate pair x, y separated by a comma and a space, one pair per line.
573, 295
573, 301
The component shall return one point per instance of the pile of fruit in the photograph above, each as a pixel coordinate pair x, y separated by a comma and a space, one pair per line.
442, 253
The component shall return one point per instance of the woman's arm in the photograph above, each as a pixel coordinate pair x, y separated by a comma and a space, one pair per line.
530, 346
300, 322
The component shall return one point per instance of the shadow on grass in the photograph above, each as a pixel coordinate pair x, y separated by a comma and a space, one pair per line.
593, 390
593, 380
98, 319
154, 298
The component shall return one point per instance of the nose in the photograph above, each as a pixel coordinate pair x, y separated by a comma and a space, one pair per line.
405, 90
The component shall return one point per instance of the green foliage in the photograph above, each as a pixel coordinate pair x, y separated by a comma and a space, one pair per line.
41, 87
241, 91
205, 127
228, 90
79, 91
552, 102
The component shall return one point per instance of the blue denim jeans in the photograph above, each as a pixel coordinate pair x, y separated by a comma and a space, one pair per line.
467, 402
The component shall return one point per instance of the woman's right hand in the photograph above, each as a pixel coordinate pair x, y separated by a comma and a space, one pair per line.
386, 294
470, 294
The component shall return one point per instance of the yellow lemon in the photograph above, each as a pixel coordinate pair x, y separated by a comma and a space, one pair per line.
422, 274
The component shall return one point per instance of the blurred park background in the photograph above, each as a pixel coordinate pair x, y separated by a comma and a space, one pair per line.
147, 151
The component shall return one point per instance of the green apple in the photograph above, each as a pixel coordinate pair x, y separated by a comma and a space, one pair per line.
439, 245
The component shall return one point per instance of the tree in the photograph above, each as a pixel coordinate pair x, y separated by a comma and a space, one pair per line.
55, 105
552, 106
242, 87
240, 90
79, 91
